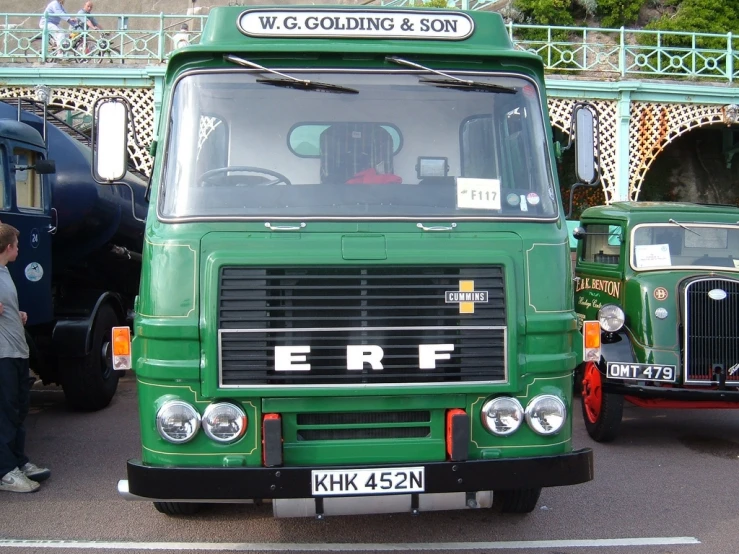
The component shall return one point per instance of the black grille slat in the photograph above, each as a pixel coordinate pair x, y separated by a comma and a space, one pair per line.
407, 424
363, 418
359, 434
712, 330
328, 308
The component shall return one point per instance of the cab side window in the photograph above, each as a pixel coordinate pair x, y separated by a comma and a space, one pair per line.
602, 244
27, 181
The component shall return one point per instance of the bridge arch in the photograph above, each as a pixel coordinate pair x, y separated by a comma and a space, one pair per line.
655, 125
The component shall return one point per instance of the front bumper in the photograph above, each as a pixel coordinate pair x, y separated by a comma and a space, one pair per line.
672, 393
213, 484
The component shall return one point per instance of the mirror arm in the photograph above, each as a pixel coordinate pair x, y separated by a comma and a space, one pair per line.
572, 196
147, 194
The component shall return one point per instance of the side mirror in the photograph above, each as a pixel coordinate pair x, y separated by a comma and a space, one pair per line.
110, 140
585, 145
45, 167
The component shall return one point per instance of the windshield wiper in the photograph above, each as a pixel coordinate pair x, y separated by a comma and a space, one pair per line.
684, 227
288, 81
450, 81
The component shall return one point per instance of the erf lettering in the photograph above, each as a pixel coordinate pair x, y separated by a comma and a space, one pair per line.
294, 358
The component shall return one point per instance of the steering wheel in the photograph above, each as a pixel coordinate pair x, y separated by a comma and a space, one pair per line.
278, 177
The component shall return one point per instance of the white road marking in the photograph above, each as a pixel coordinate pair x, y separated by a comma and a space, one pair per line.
343, 547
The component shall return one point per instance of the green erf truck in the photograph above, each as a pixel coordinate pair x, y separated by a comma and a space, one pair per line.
356, 293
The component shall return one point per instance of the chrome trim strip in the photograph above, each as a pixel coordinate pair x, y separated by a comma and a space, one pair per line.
333, 329
290, 388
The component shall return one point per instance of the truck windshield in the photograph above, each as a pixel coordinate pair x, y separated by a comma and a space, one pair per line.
669, 246
379, 145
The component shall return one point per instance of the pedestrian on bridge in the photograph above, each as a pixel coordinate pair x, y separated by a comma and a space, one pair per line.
52, 18
18, 473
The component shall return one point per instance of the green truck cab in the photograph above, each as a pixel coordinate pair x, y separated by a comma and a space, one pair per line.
356, 292
657, 289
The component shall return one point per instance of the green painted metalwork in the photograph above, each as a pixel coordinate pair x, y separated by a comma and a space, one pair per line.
124, 38
624, 53
541, 351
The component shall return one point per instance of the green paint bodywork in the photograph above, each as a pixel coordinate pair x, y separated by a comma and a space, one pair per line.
175, 349
653, 340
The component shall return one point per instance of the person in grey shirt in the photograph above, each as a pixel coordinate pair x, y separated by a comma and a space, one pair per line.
18, 474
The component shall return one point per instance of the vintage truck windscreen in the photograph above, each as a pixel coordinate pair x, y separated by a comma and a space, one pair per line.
378, 145
667, 246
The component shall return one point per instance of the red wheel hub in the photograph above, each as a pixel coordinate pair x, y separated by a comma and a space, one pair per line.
592, 392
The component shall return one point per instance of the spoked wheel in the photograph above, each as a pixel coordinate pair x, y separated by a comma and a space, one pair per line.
33, 52
602, 411
107, 54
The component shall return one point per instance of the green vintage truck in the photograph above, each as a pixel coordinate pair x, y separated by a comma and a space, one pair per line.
661, 282
356, 293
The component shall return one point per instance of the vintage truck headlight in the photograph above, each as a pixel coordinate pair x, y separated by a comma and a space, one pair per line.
546, 414
502, 416
177, 421
611, 318
224, 422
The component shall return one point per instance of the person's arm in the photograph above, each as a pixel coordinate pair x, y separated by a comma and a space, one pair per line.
58, 10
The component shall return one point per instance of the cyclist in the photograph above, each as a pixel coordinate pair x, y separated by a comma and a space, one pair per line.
85, 17
53, 15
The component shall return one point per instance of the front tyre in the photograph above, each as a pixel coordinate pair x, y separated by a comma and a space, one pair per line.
602, 411
90, 383
108, 55
177, 508
520, 501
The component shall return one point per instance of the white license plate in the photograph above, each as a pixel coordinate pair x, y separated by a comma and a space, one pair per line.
368, 481
642, 372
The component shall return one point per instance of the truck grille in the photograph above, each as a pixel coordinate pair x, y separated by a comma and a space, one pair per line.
393, 308
711, 331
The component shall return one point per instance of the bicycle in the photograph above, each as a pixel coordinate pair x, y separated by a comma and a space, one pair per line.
78, 46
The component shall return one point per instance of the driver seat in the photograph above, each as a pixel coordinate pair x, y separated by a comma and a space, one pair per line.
349, 148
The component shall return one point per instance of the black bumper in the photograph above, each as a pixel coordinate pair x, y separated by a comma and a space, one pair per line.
672, 393
219, 483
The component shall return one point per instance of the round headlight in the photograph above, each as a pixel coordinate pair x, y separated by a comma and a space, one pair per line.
224, 422
546, 414
177, 421
502, 416
611, 318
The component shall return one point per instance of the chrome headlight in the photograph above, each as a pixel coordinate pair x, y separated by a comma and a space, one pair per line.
177, 421
502, 416
546, 414
224, 422
611, 318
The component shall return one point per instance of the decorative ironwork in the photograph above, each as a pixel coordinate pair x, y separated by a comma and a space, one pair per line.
560, 110
731, 114
654, 125
81, 99
621, 53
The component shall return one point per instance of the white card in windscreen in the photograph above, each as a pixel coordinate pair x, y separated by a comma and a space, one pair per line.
478, 194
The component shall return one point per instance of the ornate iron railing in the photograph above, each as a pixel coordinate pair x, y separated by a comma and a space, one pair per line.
617, 53
123, 38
